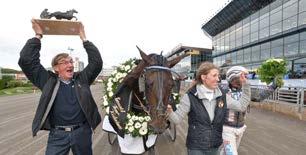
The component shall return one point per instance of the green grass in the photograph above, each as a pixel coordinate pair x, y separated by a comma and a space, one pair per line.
17, 90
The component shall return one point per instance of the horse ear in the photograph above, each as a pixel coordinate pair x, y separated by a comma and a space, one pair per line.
174, 61
143, 55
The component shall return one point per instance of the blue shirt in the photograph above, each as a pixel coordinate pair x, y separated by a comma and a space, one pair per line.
66, 109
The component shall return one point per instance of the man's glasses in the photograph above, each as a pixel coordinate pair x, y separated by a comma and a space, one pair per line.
66, 62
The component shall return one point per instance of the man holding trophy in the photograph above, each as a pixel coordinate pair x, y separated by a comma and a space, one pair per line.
66, 107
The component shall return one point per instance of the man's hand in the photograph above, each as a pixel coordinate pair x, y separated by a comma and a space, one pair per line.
37, 29
82, 32
243, 77
169, 109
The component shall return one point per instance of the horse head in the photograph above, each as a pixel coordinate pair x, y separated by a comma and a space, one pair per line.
158, 86
73, 11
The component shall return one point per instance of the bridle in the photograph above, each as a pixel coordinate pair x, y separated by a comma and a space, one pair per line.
160, 71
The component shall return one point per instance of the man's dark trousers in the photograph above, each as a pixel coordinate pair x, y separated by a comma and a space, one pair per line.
79, 140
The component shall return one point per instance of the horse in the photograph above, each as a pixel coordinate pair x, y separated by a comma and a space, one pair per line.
152, 98
58, 15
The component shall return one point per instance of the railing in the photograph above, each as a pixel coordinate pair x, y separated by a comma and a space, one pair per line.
290, 95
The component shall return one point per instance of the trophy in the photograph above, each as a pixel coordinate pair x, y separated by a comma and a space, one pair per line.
61, 25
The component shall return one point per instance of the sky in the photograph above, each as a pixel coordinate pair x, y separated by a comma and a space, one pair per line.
114, 26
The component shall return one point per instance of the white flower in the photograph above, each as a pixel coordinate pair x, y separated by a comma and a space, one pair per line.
147, 118
105, 103
122, 67
114, 72
130, 123
137, 125
174, 97
109, 84
135, 118
144, 125
279, 60
104, 97
115, 79
110, 94
141, 119
143, 131
127, 67
128, 116
107, 110
131, 129
124, 74
109, 89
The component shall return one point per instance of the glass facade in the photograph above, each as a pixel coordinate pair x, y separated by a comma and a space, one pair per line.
275, 31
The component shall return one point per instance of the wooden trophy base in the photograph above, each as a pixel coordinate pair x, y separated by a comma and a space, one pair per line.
59, 27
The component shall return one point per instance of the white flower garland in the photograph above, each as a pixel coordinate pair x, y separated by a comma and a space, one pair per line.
136, 125
111, 84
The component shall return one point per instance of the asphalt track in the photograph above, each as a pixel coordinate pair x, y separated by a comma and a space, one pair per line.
268, 133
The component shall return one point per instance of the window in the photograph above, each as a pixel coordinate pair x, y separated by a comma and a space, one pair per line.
246, 21
291, 39
276, 5
276, 28
289, 23
303, 46
264, 10
302, 5
265, 51
254, 26
277, 52
302, 18
254, 36
246, 30
276, 17
247, 54
226, 42
264, 33
239, 33
254, 16
290, 11
246, 39
287, 3
238, 42
278, 42
234, 57
255, 53
264, 23
265, 54
240, 56
303, 36
291, 49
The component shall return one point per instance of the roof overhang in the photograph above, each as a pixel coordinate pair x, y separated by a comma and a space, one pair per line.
232, 13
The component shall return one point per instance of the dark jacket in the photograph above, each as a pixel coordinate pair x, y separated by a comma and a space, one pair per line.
48, 83
204, 134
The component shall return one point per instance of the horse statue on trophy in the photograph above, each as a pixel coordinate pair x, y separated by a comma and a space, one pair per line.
58, 14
